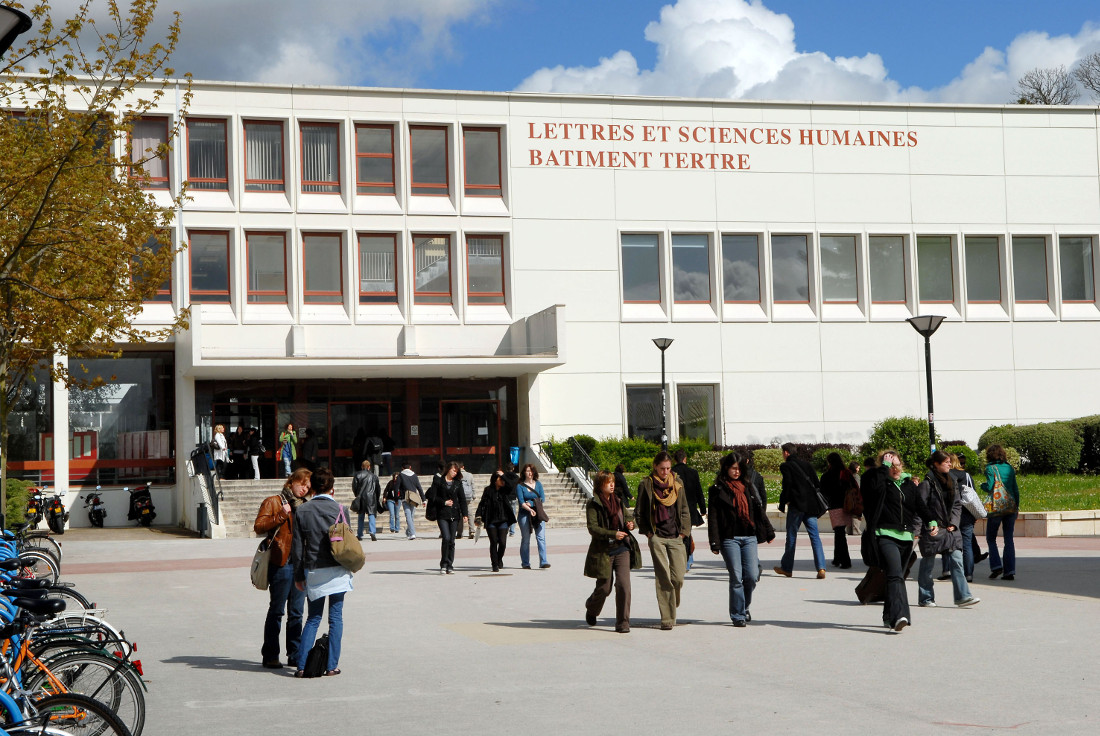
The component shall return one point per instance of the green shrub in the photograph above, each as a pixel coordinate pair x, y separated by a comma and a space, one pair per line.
999, 434
586, 442
973, 464
767, 460
17, 500
706, 462
610, 451
907, 435
641, 465
1049, 448
1089, 430
819, 458
692, 446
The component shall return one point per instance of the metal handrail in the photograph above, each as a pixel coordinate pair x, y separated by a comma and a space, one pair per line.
546, 449
582, 460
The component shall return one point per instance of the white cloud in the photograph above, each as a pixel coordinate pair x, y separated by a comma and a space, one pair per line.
741, 49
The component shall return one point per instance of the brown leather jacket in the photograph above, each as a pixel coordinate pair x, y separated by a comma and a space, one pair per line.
271, 515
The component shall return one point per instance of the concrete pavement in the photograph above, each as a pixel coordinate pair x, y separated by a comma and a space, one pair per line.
476, 652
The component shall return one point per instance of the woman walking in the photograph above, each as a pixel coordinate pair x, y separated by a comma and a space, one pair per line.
736, 524
662, 516
288, 448
835, 483
530, 496
316, 571
494, 512
939, 503
972, 552
889, 505
276, 519
1000, 484
612, 553
449, 504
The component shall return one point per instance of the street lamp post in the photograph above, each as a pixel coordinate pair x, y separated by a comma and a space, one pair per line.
926, 325
12, 23
662, 344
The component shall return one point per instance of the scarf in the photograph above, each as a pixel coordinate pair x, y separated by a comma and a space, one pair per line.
614, 512
665, 493
739, 500
290, 498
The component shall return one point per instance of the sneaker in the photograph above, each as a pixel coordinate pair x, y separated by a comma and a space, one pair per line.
412, 537
1010, 576
945, 576
969, 578
450, 570
928, 604
901, 623
748, 616
821, 574
994, 574
780, 571
968, 602
442, 571
544, 566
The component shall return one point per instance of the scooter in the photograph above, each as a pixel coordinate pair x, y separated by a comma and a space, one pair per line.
56, 515
95, 507
141, 505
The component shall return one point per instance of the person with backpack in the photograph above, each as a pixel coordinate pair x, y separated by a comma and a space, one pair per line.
316, 571
407, 484
800, 487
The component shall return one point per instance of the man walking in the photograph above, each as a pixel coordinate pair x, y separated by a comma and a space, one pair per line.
800, 486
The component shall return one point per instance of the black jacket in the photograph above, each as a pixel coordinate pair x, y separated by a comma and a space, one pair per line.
723, 522
944, 506
495, 506
834, 488
697, 505
439, 494
622, 489
365, 486
797, 486
899, 506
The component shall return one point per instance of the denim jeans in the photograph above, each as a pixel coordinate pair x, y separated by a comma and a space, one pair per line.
448, 529
371, 527
283, 594
742, 563
525, 520
410, 528
335, 629
394, 507
925, 593
968, 548
992, 524
795, 519
287, 462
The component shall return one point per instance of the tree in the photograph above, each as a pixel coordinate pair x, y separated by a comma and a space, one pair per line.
79, 234
1046, 86
1087, 72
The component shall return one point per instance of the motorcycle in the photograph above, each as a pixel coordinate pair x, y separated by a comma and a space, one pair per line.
141, 505
56, 515
95, 508
33, 514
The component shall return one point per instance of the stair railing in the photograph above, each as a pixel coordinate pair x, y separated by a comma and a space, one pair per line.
582, 460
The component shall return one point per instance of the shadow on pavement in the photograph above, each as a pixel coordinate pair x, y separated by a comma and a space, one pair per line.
1060, 575
227, 664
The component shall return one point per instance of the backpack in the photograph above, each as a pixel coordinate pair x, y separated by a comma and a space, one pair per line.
317, 659
346, 548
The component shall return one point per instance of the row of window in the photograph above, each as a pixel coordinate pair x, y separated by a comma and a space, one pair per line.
695, 412
320, 156
741, 273
379, 266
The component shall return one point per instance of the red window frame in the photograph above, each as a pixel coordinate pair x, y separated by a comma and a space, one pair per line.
339, 295
163, 295
359, 248
205, 180
951, 257
250, 292
1000, 286
302, 159
153, 182
432, 189
392, 183
450, 255
489, 190
485, 294
206, 293
281, 181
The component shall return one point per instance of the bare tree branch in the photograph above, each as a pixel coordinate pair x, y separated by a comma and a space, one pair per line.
1087, 72
1046, 86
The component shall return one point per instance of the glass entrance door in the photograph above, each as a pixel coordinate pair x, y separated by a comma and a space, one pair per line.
469, 431
256, 415
350, 424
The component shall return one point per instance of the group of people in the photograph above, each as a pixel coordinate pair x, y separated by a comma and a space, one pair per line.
237, 457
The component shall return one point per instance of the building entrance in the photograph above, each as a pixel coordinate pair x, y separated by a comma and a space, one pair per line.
262, 416
470, 433
350, 423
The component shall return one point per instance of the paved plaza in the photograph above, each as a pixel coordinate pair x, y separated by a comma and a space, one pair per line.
477, 652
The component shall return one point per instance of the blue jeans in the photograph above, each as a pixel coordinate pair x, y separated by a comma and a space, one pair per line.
410, 529
968, 548
448, 528
925, 593
742, 563
525, 520
394, 508
370, 525
795, 519
335, 629
286, 464
992, 524
283, 594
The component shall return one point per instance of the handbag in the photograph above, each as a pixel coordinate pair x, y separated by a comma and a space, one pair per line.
261, 561
853, 501
1000, 501
346, 548
317, 659
971, 502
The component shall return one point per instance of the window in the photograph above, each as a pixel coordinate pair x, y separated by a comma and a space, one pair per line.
481, 156
378, 269
643, 412
432, 283
209, 255
790, 269
934, 269
838, 269
691, 268
266, 268
322, 267
154, 244
146, 137
321, 158
741, 268
983, 270
485, 269
887, 262
1029, 268
641, 268
429, 161
696, 412
1075, 258
374, 159
206, 155
263, 156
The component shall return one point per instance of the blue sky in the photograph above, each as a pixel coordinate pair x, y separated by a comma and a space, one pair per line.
855, 50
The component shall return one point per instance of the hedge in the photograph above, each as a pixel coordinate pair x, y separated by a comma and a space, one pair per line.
907, 435
1051, 447
15, 513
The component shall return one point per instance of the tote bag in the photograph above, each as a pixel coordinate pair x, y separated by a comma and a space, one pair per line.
1001, 502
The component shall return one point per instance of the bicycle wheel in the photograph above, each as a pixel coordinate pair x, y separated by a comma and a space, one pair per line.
79, 715
46, 542
39, 564
84, 624
74, 601
101, 676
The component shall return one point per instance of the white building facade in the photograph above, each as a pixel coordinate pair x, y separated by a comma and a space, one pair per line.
467, 272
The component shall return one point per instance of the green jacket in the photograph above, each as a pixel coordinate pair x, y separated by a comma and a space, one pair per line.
292, 438
643, 511
597, 564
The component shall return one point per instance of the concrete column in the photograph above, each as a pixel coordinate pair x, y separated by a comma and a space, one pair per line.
61, 445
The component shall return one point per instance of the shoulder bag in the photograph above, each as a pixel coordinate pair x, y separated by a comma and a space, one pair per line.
970, 500
412, 498
261, 561
1000, 502
346, 548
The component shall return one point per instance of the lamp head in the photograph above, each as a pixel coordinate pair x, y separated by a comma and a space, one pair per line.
662, 343
12, 23
926, 324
